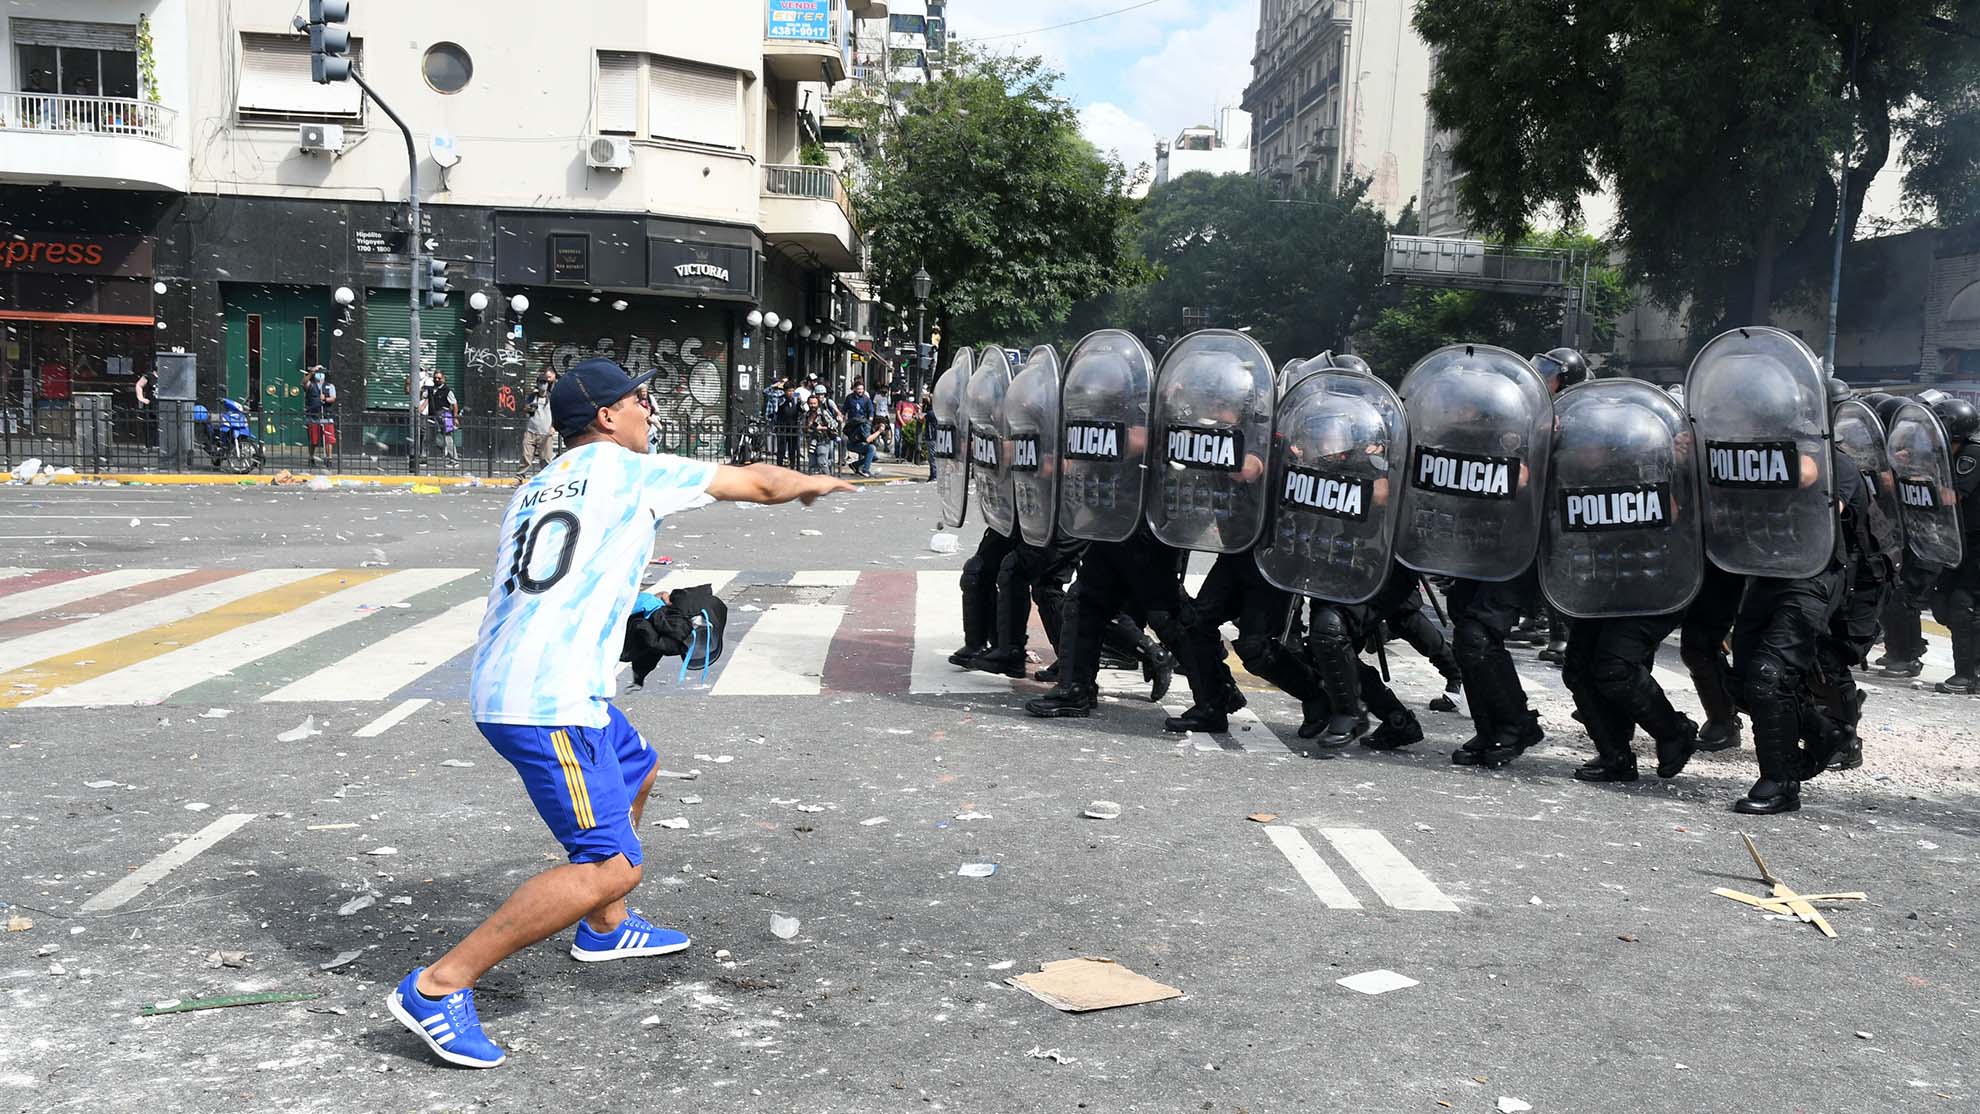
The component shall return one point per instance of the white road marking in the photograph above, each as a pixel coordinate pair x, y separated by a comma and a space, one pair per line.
1391, 875
391, 719
716, 579
784, 654
1201, 740
154, 613
385, 667
83, 587
125, 517
152, 680
823, 578
1306, 862
938, 630
141, 879
1252, 741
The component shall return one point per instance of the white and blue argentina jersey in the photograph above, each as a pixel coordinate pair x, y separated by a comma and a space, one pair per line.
575, 541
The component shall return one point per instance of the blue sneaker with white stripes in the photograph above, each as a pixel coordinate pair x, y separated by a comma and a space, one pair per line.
636, 936
447, 1025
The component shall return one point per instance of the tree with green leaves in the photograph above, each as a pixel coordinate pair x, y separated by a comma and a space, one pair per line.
1718, 126
982, 177
1293, 270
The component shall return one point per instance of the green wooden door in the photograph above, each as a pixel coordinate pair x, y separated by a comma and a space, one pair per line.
273, 334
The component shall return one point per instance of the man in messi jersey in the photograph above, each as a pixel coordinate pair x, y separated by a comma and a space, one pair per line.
574, 542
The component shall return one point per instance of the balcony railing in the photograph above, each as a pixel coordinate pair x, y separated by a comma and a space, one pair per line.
89, 115
1448, 261
820, 183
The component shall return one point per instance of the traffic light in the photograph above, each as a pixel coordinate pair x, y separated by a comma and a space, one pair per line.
329, 43
436, 283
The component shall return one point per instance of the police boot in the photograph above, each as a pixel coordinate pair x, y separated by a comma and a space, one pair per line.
1212, 718
1604, 768
1889, 666
1965, 678
969, 653
1117, 661
1398, 729
1071, 699
1509, 742
1676, 748
1159, 671
1555, 652
1333, 731
1049, 674
1719, 734
1768, 797
1007, 661
1451, 699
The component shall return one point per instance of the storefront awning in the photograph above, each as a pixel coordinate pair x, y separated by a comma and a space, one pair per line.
77, 318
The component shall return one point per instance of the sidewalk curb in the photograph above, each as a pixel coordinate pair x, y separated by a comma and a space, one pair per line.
195, 479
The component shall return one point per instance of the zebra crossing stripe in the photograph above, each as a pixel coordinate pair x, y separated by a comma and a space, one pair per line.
383, 668
716, 579
98, 594
215, 587
1387, 871
153, 680
938, 630
787, 655
94, 661
1311, 868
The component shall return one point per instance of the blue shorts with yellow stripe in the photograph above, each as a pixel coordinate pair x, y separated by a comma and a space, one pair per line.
582, 780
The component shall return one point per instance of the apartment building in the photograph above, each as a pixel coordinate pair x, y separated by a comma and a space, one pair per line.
632, 180
1338, 89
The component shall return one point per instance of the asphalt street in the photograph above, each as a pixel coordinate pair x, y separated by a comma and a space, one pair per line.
229, 716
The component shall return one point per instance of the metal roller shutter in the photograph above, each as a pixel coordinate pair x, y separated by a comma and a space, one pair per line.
71, 33
387, 321
697, 104
618, 92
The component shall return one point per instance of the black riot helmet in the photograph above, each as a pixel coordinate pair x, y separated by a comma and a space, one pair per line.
1959, 417
1564, 366
1887, 408
1875, 399
1839, 390
1348, 361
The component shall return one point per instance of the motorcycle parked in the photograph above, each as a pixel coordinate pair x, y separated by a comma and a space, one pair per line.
228, 438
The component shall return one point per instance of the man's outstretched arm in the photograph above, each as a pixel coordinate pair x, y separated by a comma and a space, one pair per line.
767, 483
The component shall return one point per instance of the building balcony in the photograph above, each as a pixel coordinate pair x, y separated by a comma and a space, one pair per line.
91, 142
807, 214
810, 48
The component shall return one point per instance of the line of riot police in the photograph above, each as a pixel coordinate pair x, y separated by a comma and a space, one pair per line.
1772, 512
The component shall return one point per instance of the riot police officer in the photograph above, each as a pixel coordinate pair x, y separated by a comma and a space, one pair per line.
1956, 601
990, 488
1872, 536
1903, 634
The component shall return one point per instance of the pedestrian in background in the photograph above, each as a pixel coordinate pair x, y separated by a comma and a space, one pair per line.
319, 415
539, 440
443, 413
821, 432
859, 428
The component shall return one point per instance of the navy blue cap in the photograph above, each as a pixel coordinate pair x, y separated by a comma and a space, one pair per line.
588, 387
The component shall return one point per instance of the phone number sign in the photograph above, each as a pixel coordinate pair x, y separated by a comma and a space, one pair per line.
809, 20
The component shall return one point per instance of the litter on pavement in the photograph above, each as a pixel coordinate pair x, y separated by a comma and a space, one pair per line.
1379, 981
300, 731
1103, 810
189, 1005
341, 959
1051, 1054
782, 927
1090, 983
977, 870
1785, 901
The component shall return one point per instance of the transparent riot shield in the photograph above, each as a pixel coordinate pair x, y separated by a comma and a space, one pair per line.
1213, 426
989, 481
1922, 462
948, 439
1103, 436
1622, 533
1860, 436
1031, 443
1338, 445
1480, 422
1759, 405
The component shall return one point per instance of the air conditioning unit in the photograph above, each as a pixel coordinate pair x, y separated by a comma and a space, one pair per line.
328, 138
608, 152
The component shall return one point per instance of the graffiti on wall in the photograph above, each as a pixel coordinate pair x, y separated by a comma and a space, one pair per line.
688, 388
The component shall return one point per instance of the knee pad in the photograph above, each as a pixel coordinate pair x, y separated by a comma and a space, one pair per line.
1766, 675
972, 574
1330, 628
1609, 671
1254, 651
1473, 640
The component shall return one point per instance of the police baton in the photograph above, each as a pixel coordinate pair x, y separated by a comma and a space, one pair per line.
1423, 582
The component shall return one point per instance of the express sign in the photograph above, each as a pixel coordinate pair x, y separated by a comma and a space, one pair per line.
57, 253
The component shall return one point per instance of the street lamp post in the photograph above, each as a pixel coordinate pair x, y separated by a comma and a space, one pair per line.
922, 283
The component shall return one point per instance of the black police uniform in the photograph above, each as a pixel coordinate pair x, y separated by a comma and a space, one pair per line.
1606, 668
1846, 644
1140, 577
979, 594
1029, 574
1956, 602
1235, 591
1353, 688
1482, 614
1706, 626
1399, 607
1781, 623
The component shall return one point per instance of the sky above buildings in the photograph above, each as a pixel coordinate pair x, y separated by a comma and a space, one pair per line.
1137, 75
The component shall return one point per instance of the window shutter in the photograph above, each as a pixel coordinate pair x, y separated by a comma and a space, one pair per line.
275, 82
618, 92
70, 33
696, 104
